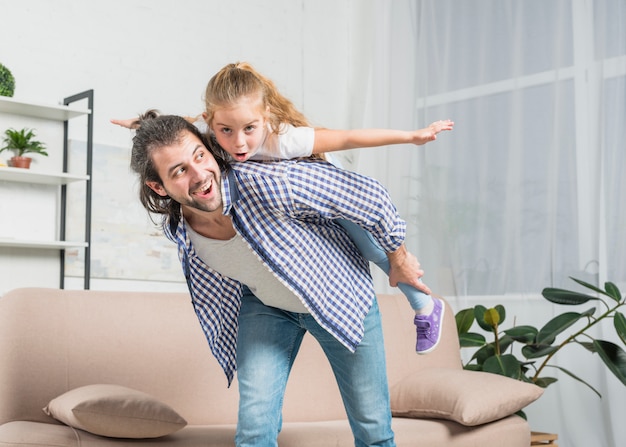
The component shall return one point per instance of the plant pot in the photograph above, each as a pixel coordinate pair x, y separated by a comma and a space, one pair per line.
21, 162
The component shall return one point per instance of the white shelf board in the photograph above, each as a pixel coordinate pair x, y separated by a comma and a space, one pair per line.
52, 112
55, 245
45, 178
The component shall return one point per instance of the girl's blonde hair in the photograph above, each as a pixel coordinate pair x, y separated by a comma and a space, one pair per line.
240, 79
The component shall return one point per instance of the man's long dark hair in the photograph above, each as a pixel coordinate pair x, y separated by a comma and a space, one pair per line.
153, 132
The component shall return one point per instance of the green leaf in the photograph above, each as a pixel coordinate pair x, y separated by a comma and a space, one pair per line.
525, 368
471, 340
464, 320
619, 321
562, 296
488, 319
479, 314
588, 346
501, 311
575, 377
538, 351
613, 291
554, 327
505, 342
613, 357
543, 382
484, 353
505, 365
522, 334
588, 285
589, 312
610, 289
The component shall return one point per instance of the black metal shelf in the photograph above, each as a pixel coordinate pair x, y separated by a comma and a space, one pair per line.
62, 113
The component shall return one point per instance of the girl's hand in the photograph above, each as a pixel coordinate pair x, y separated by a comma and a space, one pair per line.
423, 136
130, 123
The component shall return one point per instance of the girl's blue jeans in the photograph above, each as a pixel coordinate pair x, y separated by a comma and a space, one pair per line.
372, 251
267, 345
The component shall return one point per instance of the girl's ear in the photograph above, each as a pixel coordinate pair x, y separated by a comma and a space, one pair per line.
157, 187
266, 114
205, 118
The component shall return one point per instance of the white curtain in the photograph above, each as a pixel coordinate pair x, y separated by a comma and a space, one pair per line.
530, 187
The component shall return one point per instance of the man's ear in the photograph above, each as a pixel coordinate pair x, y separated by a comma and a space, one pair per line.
157, 187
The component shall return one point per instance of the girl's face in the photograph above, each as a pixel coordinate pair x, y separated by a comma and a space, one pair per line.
241, 127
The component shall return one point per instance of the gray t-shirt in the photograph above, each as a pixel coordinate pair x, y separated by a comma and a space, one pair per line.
235, 259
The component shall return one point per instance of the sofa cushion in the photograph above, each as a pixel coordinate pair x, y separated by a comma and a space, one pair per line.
115, 411
467, 397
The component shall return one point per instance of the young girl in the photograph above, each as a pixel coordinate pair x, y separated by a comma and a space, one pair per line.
251, 120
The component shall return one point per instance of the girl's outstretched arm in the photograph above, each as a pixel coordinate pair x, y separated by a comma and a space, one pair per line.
132, 123
129, 123
330, 140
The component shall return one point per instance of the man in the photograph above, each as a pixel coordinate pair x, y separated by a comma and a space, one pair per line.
265, 263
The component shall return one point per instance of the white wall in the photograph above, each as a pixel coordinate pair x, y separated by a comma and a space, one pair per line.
142, 54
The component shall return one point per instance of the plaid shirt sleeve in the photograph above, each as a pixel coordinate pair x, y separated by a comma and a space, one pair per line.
336, 193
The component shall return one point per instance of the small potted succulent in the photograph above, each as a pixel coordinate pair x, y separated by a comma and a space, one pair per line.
22, 142
7, 82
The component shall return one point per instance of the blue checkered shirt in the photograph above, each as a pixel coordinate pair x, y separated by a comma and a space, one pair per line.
285, 211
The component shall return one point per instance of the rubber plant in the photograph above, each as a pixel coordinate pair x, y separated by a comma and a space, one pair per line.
525, 353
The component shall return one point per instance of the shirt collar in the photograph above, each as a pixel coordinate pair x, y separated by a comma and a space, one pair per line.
230, 191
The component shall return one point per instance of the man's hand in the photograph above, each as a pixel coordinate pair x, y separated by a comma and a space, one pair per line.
405, 268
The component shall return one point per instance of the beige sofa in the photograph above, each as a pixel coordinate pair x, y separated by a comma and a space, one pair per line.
55, 341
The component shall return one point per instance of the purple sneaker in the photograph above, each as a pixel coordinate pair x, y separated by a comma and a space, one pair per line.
429, 328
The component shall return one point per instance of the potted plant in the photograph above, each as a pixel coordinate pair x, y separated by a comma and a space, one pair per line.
22, 142
7, 82
524, 352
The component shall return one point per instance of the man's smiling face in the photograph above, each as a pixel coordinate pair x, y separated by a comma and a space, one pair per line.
189, 173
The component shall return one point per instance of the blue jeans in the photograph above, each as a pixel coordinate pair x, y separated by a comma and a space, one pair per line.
372, 251
267, 345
